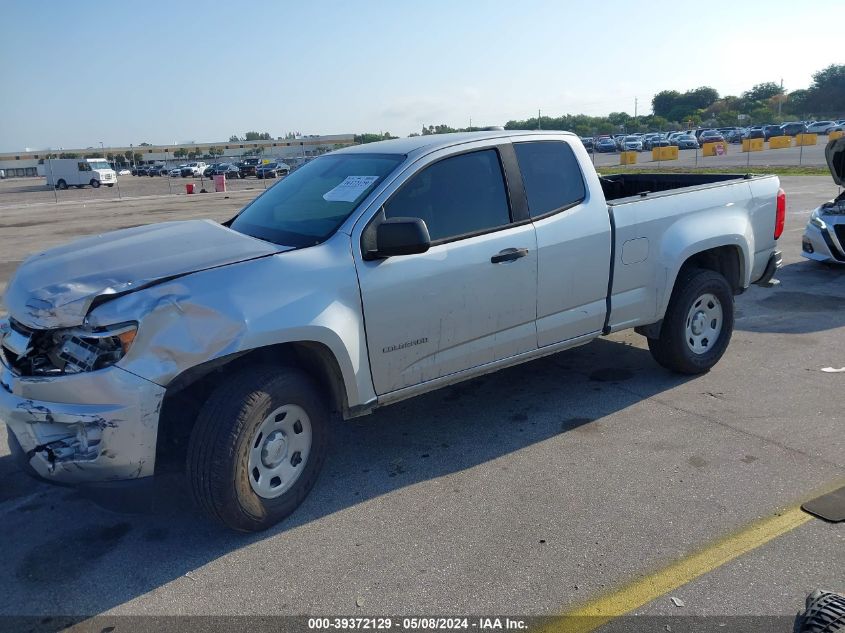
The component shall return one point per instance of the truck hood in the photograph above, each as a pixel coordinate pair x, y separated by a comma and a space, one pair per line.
57, 288
835, 155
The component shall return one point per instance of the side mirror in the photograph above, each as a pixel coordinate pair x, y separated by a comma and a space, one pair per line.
400, 236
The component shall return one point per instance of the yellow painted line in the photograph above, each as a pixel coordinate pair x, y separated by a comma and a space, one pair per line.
596, 613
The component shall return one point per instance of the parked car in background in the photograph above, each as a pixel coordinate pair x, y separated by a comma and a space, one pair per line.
820, 127
605, 144
686, 141
588, 142
648, 138
771, 131
248, 166
710, 136
208, 171
124, 171
755, 132
272, 170
226, 169
158, 170
195, 169
792, 128
632, 144
176, 171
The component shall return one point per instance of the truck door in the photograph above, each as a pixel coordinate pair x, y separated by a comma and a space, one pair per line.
573, 240
82, 176
471, 298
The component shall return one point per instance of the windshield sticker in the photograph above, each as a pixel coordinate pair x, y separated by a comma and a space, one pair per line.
350, 189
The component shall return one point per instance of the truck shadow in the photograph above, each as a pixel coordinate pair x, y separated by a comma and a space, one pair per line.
66, 555
810, 298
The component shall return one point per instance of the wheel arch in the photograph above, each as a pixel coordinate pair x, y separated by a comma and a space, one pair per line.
728, 258
189, 390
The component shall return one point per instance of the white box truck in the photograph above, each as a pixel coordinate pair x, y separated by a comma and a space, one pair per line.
78, 172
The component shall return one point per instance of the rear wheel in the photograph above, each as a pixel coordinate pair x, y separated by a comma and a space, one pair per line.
257, 447
698, 323
61, 184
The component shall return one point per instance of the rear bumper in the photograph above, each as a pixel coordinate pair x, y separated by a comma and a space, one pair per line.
768, 280
83, 428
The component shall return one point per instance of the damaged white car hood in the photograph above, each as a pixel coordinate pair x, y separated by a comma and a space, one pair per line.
56, 288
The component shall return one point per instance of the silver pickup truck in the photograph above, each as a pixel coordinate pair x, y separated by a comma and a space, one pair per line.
369, 275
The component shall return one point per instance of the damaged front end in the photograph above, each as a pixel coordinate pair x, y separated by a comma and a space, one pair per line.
75, 417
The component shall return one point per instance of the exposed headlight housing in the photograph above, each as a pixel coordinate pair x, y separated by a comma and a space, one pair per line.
84, 349
67, 351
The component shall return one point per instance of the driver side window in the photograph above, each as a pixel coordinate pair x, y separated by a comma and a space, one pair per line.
455, 197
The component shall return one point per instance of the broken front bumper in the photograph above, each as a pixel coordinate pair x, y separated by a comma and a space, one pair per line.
83, 428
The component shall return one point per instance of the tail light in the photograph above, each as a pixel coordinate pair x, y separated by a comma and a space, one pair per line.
780, 218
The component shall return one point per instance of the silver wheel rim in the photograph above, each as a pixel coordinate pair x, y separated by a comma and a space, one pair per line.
279, 451
704, 323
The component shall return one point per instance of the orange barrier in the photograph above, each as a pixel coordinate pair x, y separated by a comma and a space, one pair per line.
832, 136
664, 153
714, 149
752, 145
805, 139
780, 142
627, 158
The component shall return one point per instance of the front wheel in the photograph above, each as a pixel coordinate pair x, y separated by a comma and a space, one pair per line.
95, 183
698, 323
257, 447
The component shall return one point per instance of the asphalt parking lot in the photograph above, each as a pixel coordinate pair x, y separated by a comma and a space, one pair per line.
17, 192
528, 491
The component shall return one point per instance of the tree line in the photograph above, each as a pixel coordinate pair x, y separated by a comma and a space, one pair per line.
767, 102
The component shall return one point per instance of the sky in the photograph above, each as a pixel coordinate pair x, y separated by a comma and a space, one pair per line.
75, 74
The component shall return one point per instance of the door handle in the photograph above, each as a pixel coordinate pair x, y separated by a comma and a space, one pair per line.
508, 255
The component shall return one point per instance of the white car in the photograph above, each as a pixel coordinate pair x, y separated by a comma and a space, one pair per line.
176, 171
820, 127
123, 171
824, 236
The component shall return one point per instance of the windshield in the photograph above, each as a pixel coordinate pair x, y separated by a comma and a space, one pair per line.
307, 207
99, 164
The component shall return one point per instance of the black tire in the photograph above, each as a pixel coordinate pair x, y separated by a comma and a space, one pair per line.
671, 350
61, 184
95, 183
218, 453
109, 185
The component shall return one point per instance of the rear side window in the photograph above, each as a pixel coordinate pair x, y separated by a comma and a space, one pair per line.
551, 176
456, 196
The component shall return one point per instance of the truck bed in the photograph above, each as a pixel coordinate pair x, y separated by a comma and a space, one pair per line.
620, 186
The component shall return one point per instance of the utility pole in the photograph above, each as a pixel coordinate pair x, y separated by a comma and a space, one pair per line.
539, 125
635, 107
780, 99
